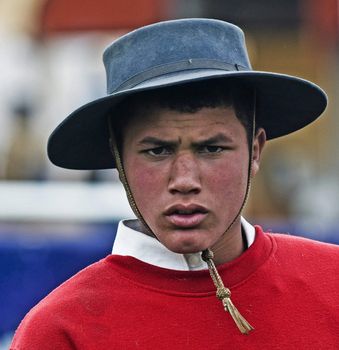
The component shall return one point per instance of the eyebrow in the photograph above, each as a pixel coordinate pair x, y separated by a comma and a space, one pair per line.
154, 141
214, 140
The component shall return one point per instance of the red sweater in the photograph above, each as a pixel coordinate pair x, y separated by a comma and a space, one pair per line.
286, 287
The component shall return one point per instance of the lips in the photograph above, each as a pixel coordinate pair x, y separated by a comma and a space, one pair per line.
186, 216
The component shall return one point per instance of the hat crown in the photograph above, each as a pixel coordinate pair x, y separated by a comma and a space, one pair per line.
171, 42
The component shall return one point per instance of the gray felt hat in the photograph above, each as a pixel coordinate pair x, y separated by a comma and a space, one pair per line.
172, 53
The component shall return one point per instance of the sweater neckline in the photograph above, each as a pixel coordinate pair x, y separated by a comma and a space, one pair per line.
232, 273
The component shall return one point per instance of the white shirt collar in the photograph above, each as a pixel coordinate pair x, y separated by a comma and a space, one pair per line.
130, 242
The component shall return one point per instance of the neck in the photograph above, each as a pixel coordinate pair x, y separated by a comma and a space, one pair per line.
231, 245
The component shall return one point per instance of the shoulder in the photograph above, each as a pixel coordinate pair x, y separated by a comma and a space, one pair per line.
51, 319
305, 252
289, 241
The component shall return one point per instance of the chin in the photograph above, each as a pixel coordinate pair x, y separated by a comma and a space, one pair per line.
185, 241
186, 250
186, 246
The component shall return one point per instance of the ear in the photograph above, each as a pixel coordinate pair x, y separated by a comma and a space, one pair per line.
258, 145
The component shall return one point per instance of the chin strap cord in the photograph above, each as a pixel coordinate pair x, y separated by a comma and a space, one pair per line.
224, 294
122, 175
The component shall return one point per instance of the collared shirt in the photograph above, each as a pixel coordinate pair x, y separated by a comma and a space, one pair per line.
148, 249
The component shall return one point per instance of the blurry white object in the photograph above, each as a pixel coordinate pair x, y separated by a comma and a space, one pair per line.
60, 201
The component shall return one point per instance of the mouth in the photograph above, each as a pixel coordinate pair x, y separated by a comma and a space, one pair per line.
186, 216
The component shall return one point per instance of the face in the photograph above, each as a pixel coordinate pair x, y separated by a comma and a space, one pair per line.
188, 175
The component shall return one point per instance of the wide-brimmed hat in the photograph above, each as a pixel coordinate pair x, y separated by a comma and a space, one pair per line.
172, 53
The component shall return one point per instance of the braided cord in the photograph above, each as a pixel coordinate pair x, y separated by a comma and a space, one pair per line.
116, 154
223, 293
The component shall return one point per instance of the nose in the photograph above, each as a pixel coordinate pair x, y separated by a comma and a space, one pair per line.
184, 175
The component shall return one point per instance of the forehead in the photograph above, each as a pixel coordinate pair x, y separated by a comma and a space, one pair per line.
163, 120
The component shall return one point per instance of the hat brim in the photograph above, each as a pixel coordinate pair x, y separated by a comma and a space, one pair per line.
284, 104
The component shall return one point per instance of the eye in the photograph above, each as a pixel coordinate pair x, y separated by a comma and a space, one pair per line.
211, 149
158, 151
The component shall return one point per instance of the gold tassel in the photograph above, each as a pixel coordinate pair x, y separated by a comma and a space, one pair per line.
224, 294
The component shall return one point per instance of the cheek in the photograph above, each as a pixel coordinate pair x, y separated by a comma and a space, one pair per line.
227, 174
227, 189
145, 183
223, 191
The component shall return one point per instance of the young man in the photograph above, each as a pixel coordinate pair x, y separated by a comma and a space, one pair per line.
185, 122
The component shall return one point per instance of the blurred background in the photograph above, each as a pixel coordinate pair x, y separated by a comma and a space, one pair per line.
53, 221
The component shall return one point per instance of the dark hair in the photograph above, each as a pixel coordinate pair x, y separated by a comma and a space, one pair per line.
188, 98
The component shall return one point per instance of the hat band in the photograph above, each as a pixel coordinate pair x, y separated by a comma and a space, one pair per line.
189, 64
